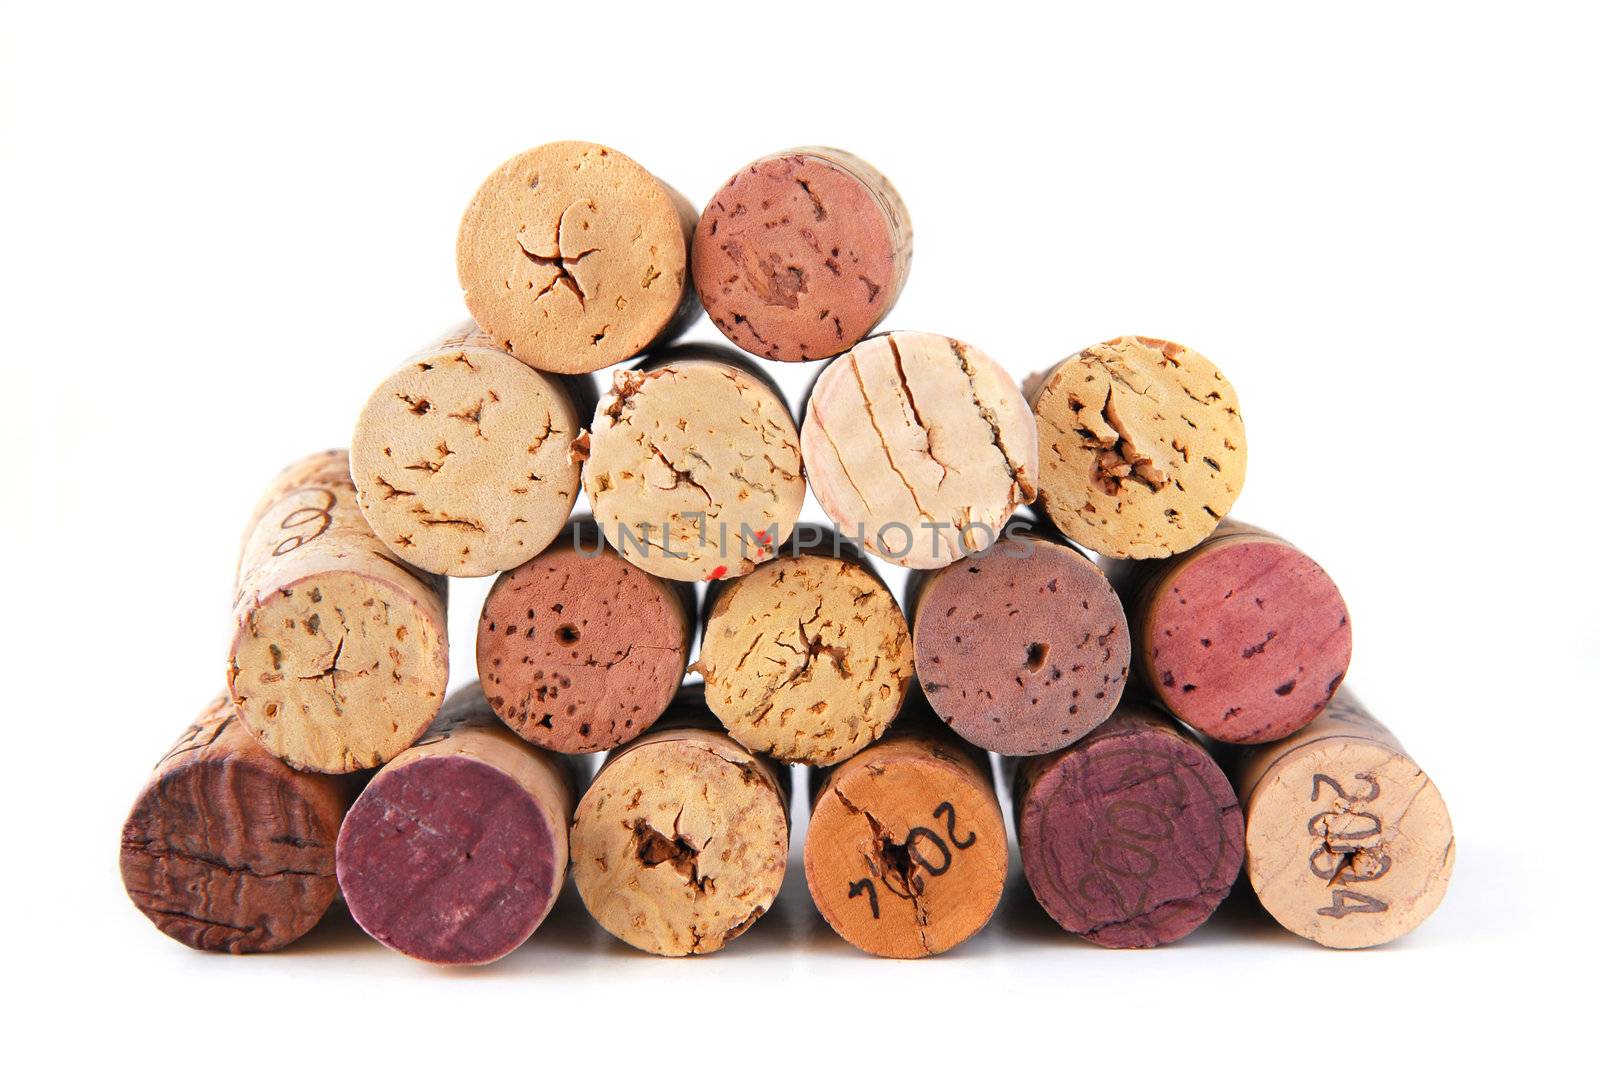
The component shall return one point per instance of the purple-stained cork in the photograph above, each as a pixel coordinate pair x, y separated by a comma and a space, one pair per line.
1131, 837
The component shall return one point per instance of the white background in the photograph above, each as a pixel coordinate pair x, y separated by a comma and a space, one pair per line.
225, 223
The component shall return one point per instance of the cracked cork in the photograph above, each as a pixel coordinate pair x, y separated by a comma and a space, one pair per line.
1244, 637
921, 444
1347, 842
693, 465
462, 458
680, 843
456, 851
578, 650
807, 659
227, 849
1142, 449
1024, 649
801, 254
573, 257
1131, 837
339, 659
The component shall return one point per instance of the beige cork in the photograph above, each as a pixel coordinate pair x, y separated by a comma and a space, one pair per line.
339, 656
919, 446
1142, 449
462, 458
1347, 841
574, 257
807, 659
693, 465
681, 841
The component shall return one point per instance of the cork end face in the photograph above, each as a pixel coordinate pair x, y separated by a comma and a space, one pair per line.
1248, 641
1143, 447
338, 673
920, 443
449, 860
573, 257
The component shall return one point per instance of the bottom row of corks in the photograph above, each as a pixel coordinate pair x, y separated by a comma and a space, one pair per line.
456, 851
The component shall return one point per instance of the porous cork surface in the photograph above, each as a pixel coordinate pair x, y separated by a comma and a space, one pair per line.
905, 855
807, 659
339, 658
1142, 449
580, 651
228, 850
681, 842
801, 254
1021, 650
1348, 843
573, 257
921, 444
462, 458
693, 466
1131, 837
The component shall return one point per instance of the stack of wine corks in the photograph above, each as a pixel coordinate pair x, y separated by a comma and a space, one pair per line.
1163, 683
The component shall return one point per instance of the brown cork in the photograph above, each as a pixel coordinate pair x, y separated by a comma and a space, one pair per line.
226, 848
906, 852
580, 651
693, 465
807, 659
462, 457
802, 253
1347, 841
681, 841
573, 257
1141, 447
338, 660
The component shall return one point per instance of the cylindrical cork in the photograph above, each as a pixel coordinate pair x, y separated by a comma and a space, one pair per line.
1022, 649
807, 659
693, 464
457, 849
802, 253
339, 655
1245, 638
920, 446
1131, 837
681, 841
226, 848
574, 257
580, 651
1141, 445
906, 851
462, 458
1347, 841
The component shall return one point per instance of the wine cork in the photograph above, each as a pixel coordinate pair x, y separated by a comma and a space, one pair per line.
1141, 445
462, 458
693, 465
802, 253
1023, 649
457, 849
1243, 637
681, 841
1131, 837
339, 655
919, 445
905, 855
580, 651
1347, 841
807, 659
227, 849
573, 257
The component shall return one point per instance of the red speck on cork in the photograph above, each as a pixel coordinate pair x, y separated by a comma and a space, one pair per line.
763, 538
718, 573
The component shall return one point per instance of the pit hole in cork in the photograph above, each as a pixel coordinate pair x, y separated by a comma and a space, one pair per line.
899, 867
567, 635
1038, 655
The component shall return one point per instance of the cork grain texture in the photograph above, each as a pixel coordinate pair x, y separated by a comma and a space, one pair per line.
1142, 447
573, 257
921, 443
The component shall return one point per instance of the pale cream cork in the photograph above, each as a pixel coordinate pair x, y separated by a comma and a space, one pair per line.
462, 457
